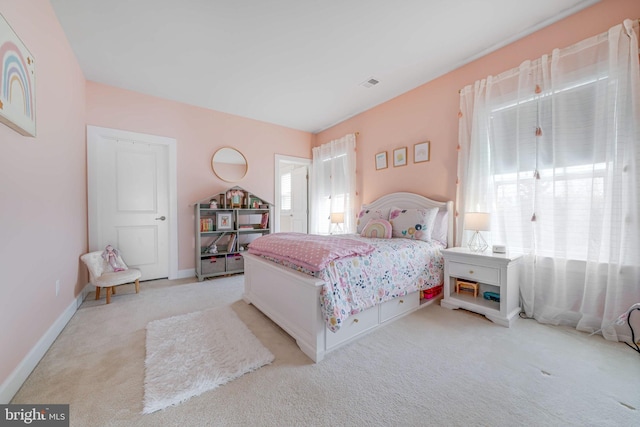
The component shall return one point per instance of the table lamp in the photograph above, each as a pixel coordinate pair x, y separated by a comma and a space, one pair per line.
477, 222
337, 219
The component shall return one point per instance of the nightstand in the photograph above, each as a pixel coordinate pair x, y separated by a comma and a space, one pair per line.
496, 273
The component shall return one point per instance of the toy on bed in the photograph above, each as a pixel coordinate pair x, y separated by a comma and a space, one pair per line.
111, 254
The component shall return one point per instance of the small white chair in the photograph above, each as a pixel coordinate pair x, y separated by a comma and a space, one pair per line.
101, 275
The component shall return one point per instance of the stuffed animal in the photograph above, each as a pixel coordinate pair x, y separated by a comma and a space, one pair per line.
110, 254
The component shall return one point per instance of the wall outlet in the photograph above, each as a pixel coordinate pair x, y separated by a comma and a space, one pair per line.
57, 287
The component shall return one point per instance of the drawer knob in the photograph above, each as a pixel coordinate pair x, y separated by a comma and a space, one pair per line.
355, 320
401, 301
470, 271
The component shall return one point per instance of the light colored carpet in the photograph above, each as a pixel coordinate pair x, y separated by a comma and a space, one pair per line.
435, 367
197, 352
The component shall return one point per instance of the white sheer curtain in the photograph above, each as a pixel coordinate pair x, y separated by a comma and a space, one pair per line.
552, 149
333, 185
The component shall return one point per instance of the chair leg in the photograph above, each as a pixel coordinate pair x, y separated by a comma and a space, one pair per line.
109, 289
113, 290
98, 292
137, 286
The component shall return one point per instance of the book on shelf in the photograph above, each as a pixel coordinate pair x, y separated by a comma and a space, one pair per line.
206, 224
265, 220
232, 241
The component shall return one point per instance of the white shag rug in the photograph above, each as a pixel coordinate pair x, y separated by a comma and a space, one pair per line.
197, 352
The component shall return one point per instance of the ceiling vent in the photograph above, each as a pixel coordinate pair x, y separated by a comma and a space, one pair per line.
369, 83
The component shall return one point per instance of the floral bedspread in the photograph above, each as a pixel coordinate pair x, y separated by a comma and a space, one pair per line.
396, 267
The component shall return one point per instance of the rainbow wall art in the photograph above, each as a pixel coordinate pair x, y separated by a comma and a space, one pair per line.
17, 83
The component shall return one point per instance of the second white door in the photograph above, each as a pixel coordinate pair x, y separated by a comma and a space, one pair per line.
131, 201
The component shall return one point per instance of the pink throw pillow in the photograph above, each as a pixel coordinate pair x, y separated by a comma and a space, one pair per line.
379, 228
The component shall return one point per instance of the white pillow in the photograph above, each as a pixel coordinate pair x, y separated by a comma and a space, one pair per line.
440, 227
412, 223
366, 215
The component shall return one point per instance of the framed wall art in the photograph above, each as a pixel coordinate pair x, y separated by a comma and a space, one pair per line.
421, 152
400, 157
17, 83
381, 160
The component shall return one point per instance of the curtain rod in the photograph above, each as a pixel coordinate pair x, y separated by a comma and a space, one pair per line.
637, 20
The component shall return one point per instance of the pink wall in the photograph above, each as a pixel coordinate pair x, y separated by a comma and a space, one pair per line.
199, 132
430, 112
43, 223
43, 207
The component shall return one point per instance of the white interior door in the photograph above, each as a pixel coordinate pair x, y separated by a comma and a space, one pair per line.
299, 200
296, 218
130, 199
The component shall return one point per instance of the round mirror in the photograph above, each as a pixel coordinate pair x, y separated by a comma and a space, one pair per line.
229, 164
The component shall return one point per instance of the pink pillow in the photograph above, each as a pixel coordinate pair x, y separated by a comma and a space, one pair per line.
366, 215
379, 228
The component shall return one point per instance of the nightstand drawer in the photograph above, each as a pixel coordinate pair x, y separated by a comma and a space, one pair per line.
475, 272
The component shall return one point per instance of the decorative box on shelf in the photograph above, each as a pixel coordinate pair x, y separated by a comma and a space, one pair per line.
213, 265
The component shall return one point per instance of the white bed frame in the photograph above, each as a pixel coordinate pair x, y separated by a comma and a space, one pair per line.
292, 299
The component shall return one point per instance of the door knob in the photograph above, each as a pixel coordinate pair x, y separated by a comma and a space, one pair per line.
162, 218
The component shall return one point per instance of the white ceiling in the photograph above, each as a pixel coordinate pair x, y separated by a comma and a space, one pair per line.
295, 63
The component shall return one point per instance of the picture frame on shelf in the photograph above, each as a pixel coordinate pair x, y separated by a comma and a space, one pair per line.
381, 160
254, 202
224, 221
421, 152
400, 157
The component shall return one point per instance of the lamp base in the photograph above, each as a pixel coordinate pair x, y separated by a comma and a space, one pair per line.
477, 243
336, 228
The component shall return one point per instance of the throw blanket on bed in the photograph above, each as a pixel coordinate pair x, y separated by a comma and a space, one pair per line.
309, 251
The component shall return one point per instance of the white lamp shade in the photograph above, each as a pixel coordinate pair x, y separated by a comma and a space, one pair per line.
478, 221
337, 218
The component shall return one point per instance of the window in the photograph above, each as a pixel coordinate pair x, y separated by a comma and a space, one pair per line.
332, 197
333, 184
570, 164
285, 192
551, 149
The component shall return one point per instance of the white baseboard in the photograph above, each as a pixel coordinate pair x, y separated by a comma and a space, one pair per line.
183, 274
12, 384
85, 292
